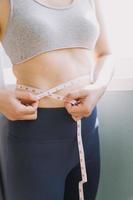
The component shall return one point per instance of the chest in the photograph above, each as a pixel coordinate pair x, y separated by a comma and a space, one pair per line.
79, 19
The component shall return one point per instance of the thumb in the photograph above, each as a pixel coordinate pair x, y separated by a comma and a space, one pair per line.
25, 95
35, 104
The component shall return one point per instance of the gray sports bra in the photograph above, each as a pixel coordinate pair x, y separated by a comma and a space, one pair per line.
34, 28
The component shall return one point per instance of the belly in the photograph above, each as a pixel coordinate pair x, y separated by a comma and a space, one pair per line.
53, 68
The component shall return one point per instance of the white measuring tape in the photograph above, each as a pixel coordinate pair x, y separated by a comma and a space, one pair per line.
50, 92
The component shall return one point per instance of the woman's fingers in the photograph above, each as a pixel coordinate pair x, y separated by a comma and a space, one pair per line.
35, 104
26, 97
29, 117
33, 115
29, 109
80, 109
21, 111
13, 108
25, 112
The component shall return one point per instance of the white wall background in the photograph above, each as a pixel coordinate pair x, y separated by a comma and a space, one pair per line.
119, 15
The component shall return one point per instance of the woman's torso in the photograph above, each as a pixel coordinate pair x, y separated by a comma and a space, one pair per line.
49, 69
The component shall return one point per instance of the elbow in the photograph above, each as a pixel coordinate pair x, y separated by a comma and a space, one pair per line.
106, 55
103, 54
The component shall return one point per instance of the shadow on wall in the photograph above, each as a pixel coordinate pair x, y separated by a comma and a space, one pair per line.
115, 112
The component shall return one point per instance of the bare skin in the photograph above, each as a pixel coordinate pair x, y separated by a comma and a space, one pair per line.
52, 68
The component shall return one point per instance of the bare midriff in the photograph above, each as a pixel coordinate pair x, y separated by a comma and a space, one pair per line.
49, 69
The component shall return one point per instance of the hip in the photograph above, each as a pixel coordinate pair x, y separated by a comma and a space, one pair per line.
52, 125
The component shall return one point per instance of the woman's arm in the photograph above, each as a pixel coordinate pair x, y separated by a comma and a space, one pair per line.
105, 61
2, 13
103, 72
12, 103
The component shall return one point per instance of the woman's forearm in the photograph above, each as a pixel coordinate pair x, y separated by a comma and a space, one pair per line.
104, 70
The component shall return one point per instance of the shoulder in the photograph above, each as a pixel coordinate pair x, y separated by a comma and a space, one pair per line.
4, 13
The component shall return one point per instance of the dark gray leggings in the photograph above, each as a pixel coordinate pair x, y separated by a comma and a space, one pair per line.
42, 160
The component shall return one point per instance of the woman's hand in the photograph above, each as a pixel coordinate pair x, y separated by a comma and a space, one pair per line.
18, 105
86, 98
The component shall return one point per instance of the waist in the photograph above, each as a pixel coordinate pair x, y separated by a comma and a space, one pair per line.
47, 96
